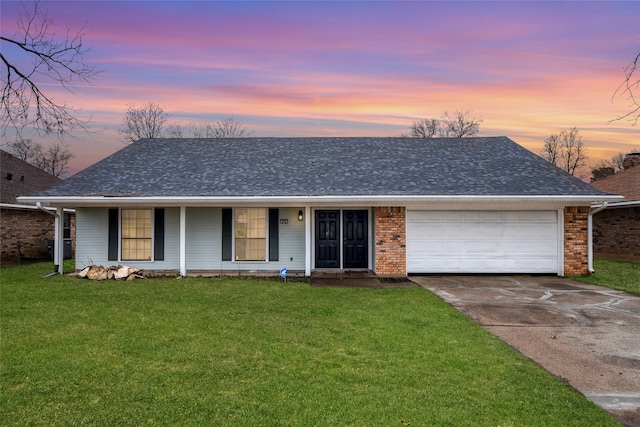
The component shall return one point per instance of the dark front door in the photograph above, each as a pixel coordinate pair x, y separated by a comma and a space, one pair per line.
327, 239
355, 239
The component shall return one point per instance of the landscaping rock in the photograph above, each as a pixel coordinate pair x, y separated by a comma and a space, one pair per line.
117, 272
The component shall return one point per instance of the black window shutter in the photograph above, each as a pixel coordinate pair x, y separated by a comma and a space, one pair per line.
227, 223
113, 235
274, 221
158, 235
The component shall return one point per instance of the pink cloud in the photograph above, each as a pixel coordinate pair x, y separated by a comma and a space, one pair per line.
528, 68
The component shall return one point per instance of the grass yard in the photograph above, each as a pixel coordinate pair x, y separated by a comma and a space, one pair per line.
620, 275
241, 352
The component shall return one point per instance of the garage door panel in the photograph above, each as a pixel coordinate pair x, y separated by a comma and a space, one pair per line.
482, 242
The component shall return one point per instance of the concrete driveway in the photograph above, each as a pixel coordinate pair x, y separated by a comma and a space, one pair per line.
587, 335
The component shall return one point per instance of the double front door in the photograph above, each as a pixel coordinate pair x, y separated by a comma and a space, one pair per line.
350, 246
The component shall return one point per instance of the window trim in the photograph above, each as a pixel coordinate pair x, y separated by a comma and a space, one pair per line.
66, 226
151, 238
234, 257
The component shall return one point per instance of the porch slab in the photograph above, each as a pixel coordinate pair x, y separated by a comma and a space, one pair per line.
356, 279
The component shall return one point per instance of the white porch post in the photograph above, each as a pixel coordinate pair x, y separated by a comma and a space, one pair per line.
58, 246
307, 241
183, 241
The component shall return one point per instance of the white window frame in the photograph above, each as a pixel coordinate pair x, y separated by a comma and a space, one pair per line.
151, 238
266, 237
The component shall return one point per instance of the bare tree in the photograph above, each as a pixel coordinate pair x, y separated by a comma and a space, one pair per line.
617, 162
460, 124
551, 149
425, 128
53, 159
200, 130
605, 168
575, 153
565, 150
229, 127
142, 122
25, 149
31, 59
174, 130
629, 88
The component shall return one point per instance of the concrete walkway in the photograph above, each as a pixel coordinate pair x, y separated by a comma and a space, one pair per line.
588, 336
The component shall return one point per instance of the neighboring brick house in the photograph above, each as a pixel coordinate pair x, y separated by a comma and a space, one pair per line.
25, 230
616, 229
392, 206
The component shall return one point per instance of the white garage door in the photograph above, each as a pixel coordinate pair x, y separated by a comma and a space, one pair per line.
482, 242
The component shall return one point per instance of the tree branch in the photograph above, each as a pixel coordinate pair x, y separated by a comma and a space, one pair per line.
628, 87
22, 102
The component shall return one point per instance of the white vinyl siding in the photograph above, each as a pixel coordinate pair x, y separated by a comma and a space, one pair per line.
204, 234
92, 229
203, 241
482, 242
204, 245
291, 242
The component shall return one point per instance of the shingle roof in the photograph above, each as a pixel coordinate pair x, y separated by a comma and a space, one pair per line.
626, 183
322, 167
20, 178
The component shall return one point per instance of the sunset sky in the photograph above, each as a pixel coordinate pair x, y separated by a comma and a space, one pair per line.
358, 68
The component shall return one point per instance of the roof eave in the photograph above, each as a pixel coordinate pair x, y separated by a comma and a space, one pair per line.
295, 201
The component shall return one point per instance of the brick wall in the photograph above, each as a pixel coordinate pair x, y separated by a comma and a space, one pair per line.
391, 241
576, 255
24, 234
616, 234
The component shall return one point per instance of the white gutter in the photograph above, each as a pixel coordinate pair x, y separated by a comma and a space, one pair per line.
58, 256
590, 235
619, 204
354, 200
30, 207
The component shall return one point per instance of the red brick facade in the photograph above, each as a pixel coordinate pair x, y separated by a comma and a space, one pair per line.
616, 234
24, 234
391, 241
576, 240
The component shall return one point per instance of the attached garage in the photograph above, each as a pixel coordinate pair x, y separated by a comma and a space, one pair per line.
482, 241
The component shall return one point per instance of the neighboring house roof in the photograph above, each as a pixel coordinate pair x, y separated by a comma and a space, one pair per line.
322, 167
19, 178
626, 183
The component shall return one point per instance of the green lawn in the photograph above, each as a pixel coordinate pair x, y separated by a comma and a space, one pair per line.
620, 275
241, 352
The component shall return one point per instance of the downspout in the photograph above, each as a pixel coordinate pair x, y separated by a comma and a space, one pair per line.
590, 233
57, 267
